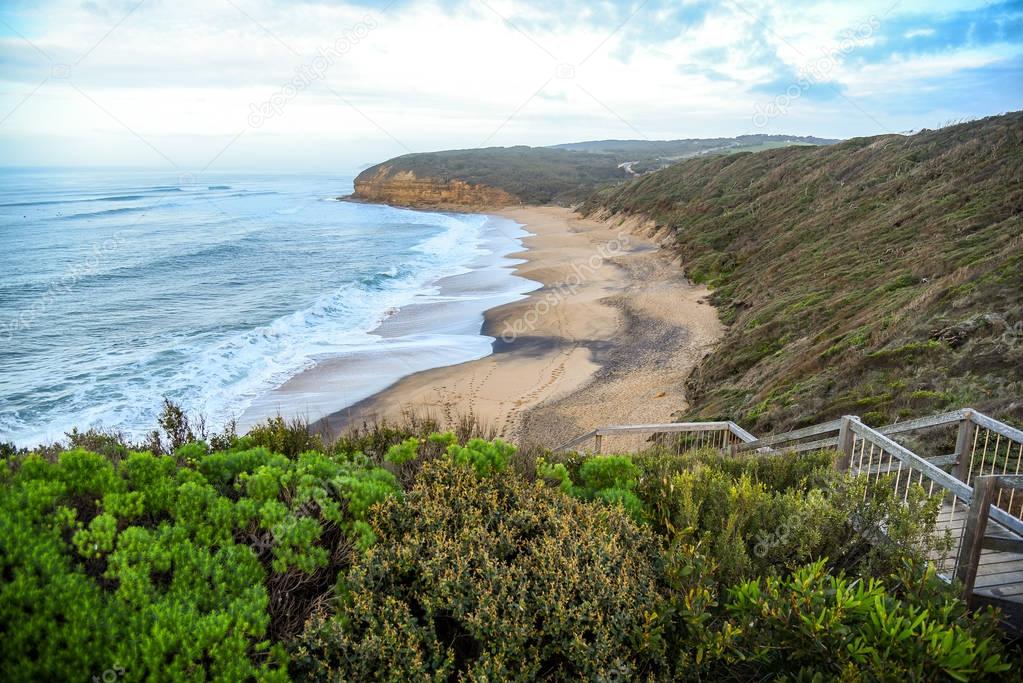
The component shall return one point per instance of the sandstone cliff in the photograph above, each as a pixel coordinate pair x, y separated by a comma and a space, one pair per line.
405, 188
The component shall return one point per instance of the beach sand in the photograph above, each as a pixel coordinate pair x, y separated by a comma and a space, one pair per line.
609, 339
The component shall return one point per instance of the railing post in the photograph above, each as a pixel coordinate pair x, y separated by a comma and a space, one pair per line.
598, 442
966, 426
973, 535
846, 436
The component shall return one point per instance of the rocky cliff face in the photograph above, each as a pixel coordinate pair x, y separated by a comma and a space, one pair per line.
404, 188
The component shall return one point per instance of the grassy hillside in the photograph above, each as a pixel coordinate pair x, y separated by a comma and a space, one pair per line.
564, 174
535, 175
878, 276
654, 154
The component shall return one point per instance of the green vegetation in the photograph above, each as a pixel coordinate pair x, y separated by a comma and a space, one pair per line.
879, 276
881, 272
447, 556
567, 174
653, 155
536, 175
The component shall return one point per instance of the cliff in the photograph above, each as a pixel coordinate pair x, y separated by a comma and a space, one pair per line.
405, 188
487, 178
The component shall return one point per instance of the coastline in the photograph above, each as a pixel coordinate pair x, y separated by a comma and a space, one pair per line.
610, 336
435, 326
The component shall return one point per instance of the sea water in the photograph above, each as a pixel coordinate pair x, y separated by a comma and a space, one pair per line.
120, 288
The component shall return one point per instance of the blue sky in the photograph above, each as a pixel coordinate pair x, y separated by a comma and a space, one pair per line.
258, 84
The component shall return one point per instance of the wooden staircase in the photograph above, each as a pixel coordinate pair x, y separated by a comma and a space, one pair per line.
980, 482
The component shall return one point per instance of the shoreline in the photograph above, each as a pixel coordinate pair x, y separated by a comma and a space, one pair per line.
436, 326
610, 336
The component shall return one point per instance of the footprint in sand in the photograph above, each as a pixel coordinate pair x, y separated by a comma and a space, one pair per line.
532, 396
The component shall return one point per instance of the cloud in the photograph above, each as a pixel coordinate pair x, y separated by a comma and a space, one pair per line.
126, 82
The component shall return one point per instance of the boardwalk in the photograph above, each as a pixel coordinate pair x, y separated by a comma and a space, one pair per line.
999, 573
981, 517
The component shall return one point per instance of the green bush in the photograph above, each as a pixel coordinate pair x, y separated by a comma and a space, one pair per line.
761, 515
814, 624
491, 578
286, 437
745, 526
197, 566
169, 571
609, 478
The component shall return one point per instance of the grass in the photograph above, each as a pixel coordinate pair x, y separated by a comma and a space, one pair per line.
534, 175
885, 259
567, 174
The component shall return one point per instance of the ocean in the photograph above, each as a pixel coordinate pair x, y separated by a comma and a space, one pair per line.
120, 288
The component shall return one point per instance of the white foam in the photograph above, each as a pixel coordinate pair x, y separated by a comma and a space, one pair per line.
224, 378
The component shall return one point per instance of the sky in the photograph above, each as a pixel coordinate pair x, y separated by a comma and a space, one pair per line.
265, 85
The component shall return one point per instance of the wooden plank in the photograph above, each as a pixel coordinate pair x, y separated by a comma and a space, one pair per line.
1012, 591
846, 442
741, 433
794, 435
996, 426
1010, 481
942, 460
969, 551
995, 558
812, 445
923, 422
966, 428
670, 427
1003, 580
1003, 573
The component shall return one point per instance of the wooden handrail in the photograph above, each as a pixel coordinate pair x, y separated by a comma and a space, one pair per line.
575, 441
750, 442
662, 428
668, 427
925, 422
995, 426
935, 474
794, 435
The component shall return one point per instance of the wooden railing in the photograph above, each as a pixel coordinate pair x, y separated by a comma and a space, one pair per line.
672, 436
977, 532
987, 453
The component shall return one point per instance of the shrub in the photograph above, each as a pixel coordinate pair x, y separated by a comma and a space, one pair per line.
764, 515
778, 472
700, 639
197, 566
376, 439
609, 478
169, 571
491, 578
486, 457
288, 437
812, 624
746, 527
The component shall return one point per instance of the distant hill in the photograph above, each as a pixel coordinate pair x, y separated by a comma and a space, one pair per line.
878, 276
654, 154
470, 177
562, 174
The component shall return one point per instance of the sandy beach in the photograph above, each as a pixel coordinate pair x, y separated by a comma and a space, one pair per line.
609, 338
